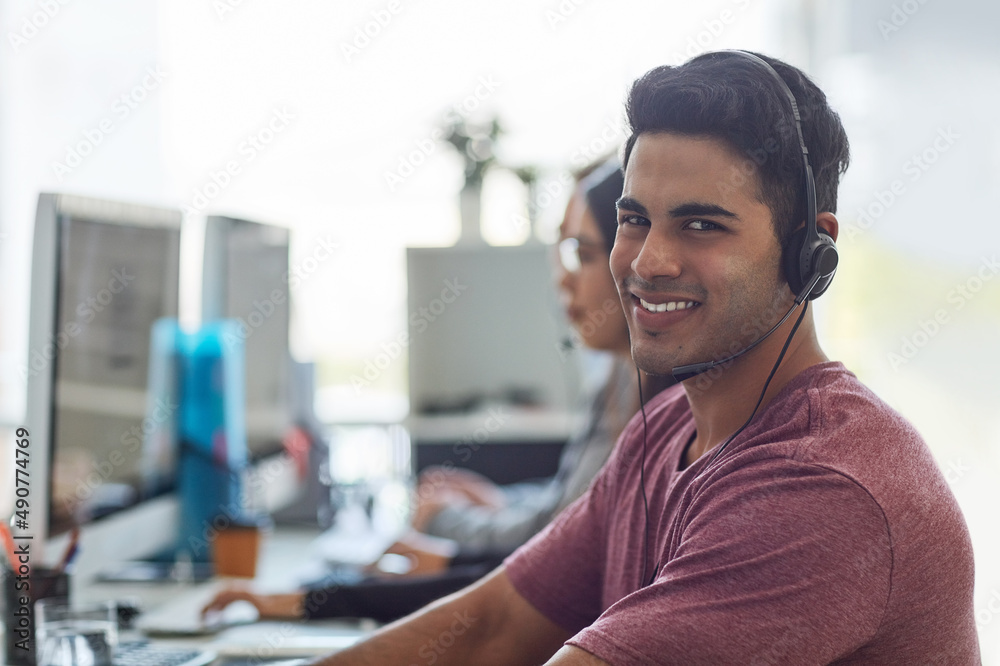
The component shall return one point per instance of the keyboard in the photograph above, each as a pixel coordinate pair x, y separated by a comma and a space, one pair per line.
141, 653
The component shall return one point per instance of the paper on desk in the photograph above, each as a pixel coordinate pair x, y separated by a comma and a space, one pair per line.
285, 639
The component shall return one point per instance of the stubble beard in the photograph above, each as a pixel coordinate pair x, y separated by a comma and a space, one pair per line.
744, 322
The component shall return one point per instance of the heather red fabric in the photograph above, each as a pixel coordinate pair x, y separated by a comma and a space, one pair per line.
825, 533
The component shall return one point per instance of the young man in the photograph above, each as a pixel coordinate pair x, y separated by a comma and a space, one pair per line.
770, 509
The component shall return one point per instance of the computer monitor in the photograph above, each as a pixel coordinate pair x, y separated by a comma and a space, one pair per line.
102, 273
245, 277
486, 328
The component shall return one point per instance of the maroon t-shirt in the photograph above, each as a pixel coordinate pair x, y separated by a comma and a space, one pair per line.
824, 533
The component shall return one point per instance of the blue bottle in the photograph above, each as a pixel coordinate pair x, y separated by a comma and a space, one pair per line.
212, 454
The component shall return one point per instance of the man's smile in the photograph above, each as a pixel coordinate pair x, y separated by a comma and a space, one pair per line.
668, 306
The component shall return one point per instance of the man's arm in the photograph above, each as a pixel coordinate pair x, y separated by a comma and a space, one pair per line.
486, 623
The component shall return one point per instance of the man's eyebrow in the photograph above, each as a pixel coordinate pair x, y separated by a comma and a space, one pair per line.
628, 203
698, 208
684, 210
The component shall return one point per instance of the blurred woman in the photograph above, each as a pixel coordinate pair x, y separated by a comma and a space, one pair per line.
464, 524
481, 516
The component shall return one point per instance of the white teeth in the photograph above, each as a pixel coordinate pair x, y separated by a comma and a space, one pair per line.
666, 307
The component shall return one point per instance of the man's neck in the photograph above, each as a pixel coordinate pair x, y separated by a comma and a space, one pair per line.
722, 404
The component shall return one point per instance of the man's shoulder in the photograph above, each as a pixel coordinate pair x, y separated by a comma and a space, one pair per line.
843, 410
833, 422
828, 401
827, 418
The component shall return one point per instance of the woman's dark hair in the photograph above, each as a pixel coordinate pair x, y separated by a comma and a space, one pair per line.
602, 189
730, 97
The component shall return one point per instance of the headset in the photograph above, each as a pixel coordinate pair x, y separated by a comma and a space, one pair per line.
810, 257
809, 261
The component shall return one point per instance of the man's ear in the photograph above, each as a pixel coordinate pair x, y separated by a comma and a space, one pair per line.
827, 223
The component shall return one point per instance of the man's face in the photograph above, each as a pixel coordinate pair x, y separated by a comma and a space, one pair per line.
696, 259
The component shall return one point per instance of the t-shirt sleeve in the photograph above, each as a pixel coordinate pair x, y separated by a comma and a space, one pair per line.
777, 562
559, 570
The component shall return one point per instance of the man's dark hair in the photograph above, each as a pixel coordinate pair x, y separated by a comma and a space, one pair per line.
730, 97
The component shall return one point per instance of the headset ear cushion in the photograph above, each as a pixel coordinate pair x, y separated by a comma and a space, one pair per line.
823, 258
824, 261
790, 261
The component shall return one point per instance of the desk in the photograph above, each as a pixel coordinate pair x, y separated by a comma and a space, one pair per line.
284, 559
504, 444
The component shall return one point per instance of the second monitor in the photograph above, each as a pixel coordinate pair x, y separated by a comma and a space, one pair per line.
485, 328
245, 278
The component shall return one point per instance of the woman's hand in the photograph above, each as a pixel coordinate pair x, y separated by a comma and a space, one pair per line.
270, 606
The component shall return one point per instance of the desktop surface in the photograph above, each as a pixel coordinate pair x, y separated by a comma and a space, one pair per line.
284, 560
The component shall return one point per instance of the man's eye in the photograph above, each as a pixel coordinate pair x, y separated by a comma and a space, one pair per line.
703, 225
632, 220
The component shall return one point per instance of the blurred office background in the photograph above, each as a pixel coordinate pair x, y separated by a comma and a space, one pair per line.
330, 113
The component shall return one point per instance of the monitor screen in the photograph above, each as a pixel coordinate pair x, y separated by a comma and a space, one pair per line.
245, 278
485, 327
103, 272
